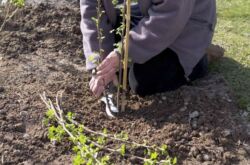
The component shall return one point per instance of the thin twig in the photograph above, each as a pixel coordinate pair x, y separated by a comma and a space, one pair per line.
60, 119
112, 137
88, 129
8, 19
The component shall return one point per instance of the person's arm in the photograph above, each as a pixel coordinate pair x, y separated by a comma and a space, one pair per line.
153, 34
89, 32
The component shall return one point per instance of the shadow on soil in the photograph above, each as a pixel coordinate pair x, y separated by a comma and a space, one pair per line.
204, 110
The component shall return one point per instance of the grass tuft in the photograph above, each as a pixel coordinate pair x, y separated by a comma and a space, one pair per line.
233, 34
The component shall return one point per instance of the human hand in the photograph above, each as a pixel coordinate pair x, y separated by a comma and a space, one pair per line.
105, 74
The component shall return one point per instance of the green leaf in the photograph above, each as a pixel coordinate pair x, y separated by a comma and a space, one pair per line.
80, 128
105, 159
51, 133
50, 114
75, 149
147, 162
105, 131
70, 115
18, 3
174, 160
78, 160
115, 2
93, 58
82, 139
123, 150
154, 155
90, 161
101, 140
163, 149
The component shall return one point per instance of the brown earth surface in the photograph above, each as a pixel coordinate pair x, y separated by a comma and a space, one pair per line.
41, 50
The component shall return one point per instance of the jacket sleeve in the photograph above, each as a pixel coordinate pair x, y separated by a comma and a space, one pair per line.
165, 21
89, 33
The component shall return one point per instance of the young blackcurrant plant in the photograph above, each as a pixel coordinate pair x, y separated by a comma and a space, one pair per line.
97, 57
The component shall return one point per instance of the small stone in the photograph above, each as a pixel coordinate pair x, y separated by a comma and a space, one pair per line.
135, 106
24, 114
20, 127
164, 98
3, 111
17, 152
28, 162
227, 155
194, 124
54, 142
227, 133
247, 148
206, 157
220, 149
242, 151
194, 151
155, 123
26, 136
9, 137
1, 89
194, 114
207, 163
46, 147
199, 157
169, 141
245, 114
195, 134
24, 108
183, 109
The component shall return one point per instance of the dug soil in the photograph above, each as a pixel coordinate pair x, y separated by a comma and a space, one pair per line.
41, 50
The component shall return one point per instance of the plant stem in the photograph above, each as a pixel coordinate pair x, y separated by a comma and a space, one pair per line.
125, 60
121, 56
100, 39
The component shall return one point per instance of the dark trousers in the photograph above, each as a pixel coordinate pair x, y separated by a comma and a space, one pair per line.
162, 73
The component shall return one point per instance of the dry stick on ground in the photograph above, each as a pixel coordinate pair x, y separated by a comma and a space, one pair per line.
8, 17
125, 60
60, 117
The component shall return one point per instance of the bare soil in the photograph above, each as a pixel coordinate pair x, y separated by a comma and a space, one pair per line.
41, 50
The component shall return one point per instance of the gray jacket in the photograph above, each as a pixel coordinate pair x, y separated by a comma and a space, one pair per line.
185, 26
